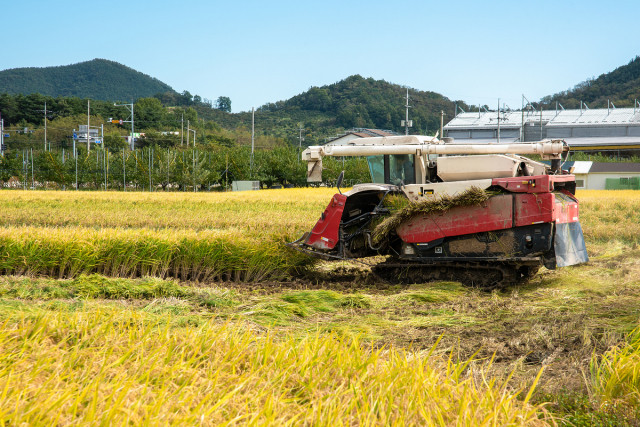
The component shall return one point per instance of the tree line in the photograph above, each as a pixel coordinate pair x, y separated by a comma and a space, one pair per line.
166, 169
315, 115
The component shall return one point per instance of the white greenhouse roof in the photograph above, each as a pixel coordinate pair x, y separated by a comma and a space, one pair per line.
560, 118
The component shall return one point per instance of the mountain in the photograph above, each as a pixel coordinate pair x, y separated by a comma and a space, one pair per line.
621, 86
97, 79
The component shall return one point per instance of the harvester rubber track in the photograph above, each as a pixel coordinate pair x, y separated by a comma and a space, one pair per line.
483, 275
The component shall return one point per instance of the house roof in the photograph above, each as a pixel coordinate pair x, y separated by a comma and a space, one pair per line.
602, 167
362, 133
580, 167
379, 132
584, 167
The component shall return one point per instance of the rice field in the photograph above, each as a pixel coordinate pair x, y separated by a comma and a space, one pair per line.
202, 236
610, 215
186, 308
198, 237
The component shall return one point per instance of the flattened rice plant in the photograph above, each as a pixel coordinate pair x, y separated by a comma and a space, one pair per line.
121, 367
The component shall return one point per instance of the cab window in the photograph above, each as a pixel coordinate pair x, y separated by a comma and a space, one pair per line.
401, 169
376, 167
392, 169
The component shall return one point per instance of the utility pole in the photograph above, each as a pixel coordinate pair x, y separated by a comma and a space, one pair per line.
88, 123
522, 123
300, 137
187, 133
45, 126
133, 140
441, 124
498, 120
540, 122
76, 156
253, 133
2, 135
182, 131
406, 122
104, 157
130, 108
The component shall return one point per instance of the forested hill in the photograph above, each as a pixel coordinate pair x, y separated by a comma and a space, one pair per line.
364, 102
621, 86
97, 79
355, 102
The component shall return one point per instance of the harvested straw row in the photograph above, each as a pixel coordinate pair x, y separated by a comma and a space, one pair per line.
473, 196
188, 255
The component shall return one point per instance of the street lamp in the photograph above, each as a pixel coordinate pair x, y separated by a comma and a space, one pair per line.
130, 108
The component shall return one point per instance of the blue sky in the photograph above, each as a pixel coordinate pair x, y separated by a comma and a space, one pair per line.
264, 51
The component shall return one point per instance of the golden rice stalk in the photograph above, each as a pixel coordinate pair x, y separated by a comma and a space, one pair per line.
117, 367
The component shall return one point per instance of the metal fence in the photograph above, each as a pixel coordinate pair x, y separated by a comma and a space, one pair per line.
164, 169
632, 183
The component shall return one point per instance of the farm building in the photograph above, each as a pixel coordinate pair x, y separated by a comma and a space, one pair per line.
605, 176
358, 133
606, 129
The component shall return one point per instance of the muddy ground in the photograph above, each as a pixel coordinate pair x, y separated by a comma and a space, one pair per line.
556, 321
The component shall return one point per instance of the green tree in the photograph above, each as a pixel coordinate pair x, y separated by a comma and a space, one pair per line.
115, 142
157, 139
223, 103
149, 113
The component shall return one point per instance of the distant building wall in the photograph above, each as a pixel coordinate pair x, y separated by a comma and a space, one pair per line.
598, 181
345, 139
582, 181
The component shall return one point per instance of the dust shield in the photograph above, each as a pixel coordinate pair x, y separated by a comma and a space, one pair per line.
569, 245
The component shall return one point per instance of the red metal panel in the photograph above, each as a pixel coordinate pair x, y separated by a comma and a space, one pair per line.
531, 184
325, 233
537, 208
525, 184
566, 209
495, 214
533, 208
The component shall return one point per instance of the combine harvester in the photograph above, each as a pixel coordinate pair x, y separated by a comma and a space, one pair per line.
479, 214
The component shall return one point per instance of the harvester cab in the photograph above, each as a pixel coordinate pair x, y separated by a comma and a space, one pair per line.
480, 214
